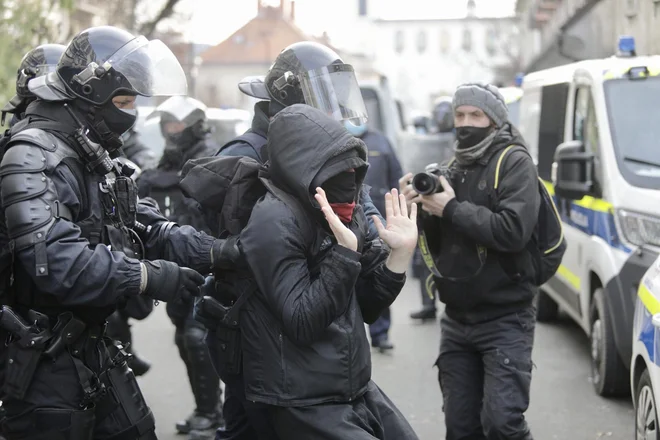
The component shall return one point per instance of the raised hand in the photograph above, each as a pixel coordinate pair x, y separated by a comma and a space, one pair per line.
345, 237
401, 230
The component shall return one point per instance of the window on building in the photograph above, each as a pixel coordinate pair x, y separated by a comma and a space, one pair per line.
421, 41
491, 41
445, 41
399, 41
467, 40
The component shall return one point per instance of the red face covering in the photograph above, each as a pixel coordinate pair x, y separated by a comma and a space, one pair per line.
344, 211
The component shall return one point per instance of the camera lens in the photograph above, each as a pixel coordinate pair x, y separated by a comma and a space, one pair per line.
424, 183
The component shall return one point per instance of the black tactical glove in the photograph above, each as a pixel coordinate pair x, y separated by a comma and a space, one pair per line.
166, 281
226, 254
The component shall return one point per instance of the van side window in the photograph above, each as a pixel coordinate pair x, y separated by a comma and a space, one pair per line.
582, 96
592, 144
585, 129
551, 127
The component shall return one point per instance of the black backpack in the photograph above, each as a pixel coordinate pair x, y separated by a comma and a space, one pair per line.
548, 244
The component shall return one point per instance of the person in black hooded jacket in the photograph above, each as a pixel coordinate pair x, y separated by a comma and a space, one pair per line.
478, 229
305, 351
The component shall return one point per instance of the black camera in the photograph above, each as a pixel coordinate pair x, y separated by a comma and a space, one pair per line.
427, 182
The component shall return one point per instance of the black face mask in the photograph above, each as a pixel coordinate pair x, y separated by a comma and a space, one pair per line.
341, 188
118, 121
470, 136
183, 139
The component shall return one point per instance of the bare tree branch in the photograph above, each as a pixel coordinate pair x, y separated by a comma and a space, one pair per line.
148, 28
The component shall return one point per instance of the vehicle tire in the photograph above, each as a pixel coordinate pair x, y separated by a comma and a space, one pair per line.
546, 308
646, 410
609, 373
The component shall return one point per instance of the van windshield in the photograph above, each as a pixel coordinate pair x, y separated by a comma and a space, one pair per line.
633, 107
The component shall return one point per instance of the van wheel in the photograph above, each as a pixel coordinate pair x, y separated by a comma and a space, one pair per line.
546, 308
609, 373
646, 411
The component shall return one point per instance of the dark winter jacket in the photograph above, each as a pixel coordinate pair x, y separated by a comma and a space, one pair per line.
304, 339
480, 239
384, 167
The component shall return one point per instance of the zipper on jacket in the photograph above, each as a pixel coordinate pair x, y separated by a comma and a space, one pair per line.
284, 386
350, 366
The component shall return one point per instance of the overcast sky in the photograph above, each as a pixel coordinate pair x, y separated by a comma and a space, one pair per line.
214, 20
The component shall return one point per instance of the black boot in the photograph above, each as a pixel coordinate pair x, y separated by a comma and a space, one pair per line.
426, 314
383, 344
205, 383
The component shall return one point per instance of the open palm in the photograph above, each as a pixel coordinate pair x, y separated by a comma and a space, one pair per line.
401, 229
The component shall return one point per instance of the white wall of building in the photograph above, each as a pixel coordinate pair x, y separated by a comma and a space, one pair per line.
428, 58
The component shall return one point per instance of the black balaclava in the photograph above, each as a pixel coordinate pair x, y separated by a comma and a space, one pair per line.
106, 123
341, 188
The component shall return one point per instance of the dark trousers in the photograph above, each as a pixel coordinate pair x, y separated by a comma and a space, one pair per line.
189, 338
381, 327
485, 372
372, 416
243, 420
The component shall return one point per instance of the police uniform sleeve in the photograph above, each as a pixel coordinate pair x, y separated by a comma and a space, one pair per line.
166, 240
39, 205
370, 210
510, 226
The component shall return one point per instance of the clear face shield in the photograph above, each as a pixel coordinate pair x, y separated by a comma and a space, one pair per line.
150, 68
334, 89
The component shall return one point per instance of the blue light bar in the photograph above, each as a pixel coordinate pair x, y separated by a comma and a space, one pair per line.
519, 79
627, 45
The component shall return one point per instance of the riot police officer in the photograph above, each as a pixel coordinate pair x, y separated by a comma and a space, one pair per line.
39, 61
76, 242
184, 126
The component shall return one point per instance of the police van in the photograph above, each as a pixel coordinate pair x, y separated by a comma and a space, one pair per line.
593, 128
645, 367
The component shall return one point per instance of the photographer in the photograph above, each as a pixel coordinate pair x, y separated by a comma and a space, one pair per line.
477, 226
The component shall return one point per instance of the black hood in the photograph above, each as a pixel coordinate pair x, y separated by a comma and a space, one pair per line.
306, 147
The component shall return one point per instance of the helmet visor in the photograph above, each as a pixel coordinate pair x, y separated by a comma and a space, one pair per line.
334, 89
150, 67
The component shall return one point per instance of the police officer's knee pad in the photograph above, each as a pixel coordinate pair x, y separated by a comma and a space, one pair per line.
194, 337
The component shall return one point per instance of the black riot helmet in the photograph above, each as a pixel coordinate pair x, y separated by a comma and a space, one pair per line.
105, 61
102, 63
38, 62
313, 74
182, 120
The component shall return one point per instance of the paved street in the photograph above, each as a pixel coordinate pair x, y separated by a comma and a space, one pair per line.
563, 406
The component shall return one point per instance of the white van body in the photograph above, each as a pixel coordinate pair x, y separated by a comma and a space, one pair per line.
613, 233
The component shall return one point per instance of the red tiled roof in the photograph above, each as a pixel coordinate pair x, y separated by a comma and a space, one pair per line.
258, 42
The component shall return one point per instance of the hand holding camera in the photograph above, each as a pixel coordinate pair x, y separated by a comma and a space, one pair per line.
430, 188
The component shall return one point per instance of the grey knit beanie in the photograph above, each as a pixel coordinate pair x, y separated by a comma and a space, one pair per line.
487, 97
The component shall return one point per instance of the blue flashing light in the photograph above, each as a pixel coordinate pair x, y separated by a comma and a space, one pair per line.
519, 79
627, 45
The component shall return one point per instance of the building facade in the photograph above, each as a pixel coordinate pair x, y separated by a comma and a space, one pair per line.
557, 32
